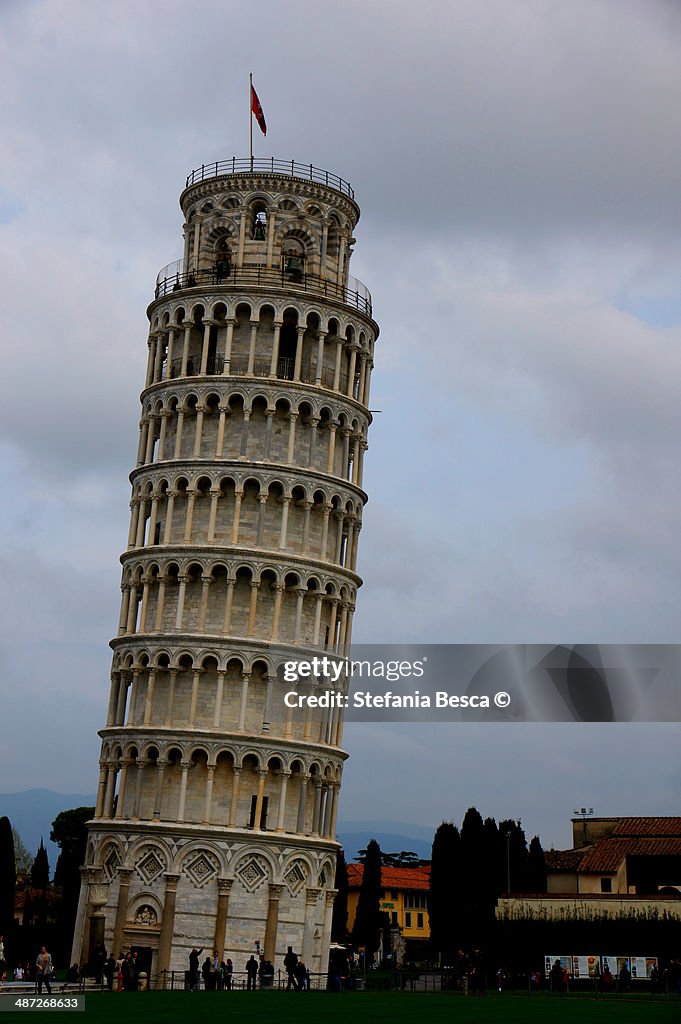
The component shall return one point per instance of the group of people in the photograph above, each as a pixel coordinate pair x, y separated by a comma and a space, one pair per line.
218, 975
297, 974
41, 972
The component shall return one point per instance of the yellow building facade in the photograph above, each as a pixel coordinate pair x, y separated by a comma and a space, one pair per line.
404, 898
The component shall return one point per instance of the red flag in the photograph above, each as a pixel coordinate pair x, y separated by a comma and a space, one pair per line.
257, 110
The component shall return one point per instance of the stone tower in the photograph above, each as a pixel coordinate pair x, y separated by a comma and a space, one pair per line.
216, 807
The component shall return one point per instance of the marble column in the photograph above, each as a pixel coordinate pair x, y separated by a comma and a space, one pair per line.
275, 892
165, 944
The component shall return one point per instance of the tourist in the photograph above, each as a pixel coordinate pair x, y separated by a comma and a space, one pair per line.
556, 977
290, 963
228, 974
110, 971
194, 973
98, 961
251, 973
303, 977
43, 967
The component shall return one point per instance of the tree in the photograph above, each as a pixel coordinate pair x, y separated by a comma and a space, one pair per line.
403, 859
477, 890
515, 857
339, 921
70, 834
22, 857
40, 871
369, 918
35, 907
445, 871
536, 867
8, 877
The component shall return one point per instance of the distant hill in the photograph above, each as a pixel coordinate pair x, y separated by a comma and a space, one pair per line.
391, 836
33, 811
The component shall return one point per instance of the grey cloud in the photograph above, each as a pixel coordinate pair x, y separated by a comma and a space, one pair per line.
518, 178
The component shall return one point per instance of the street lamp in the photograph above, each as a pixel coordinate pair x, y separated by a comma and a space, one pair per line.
507, 833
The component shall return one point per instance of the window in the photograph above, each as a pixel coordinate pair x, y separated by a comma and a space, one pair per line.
393, 894
393, 918
414, 900
259, 222
263, 812
407, 920
419, 920
606, 884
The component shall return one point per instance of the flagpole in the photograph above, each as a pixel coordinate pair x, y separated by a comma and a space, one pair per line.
250, 113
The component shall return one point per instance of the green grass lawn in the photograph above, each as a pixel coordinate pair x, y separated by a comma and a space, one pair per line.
360, 1007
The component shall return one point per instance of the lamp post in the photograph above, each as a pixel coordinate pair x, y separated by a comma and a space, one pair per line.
507, 833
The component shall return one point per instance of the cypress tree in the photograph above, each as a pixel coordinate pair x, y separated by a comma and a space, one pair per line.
368, 919
476, 887
40, 871
536, 867
8, 877
445, 871
515, 856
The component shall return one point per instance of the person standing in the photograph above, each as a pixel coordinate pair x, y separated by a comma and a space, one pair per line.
110, 971
290, 963
3, 961
128, 970
228, 974
207, 972
303, 978
194, 973
98, 961
251, 973
217, 965
43, 970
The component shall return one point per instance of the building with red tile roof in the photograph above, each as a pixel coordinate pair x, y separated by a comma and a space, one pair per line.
620, 865
404, 899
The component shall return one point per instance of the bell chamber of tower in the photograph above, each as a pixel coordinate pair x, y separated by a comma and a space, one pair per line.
216, 807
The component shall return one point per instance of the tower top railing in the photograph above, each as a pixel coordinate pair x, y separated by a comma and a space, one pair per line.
268, 165
174, 278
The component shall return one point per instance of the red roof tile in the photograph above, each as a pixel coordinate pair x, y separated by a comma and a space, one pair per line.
648, 827
607, 854
564, 860
393, 878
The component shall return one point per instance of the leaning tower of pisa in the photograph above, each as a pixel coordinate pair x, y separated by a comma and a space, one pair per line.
216, 807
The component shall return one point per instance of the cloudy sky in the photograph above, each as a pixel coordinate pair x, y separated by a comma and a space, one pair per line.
519, 170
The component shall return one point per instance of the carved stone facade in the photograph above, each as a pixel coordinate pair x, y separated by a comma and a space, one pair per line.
216, 807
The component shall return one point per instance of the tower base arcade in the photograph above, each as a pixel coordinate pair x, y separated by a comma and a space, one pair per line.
242, 895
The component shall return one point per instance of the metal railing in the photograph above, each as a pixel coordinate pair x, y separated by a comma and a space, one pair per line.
171, 280
265, 165
174, 981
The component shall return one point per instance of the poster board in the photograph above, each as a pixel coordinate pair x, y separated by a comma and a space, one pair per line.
586, 966
641, 967
565, 963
